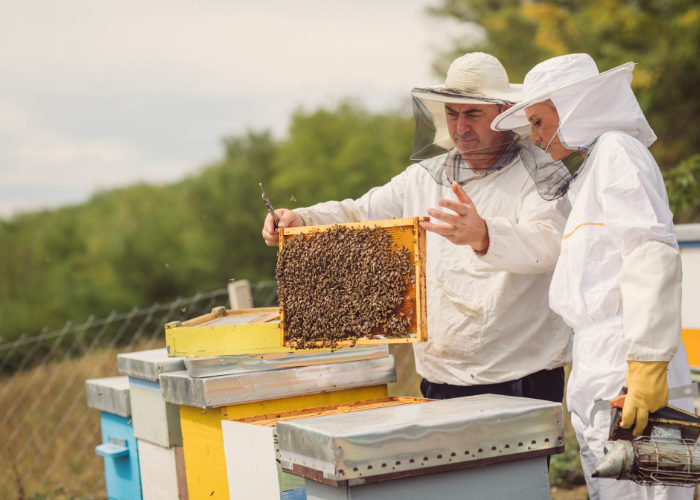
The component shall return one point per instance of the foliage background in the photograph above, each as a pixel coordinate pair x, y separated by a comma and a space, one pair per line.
151, 243
148, 243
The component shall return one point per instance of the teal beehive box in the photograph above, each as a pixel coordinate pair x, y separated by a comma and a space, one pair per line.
119, 446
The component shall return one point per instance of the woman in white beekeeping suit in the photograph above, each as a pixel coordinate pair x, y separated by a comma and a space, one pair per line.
618, 279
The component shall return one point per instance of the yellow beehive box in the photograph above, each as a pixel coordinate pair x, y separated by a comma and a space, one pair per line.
226, 332
203, 438
403, 233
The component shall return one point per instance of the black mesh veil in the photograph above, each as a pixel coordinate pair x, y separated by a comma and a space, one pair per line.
424, 146
553, 177
432, 139
446, 164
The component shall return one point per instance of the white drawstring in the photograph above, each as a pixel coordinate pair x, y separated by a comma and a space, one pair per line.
550, 141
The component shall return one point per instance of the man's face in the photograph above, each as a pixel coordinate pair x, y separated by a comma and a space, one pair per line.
470, 129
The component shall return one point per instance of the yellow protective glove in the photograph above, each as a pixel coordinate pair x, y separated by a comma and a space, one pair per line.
647, 392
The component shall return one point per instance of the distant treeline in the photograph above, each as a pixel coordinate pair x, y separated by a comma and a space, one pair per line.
148, 243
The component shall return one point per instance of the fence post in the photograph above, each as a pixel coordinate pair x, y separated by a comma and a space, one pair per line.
239, 295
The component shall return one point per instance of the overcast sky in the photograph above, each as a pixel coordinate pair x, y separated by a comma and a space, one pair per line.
101, 94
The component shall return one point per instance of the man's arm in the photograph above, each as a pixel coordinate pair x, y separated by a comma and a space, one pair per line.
379, 203
530, 246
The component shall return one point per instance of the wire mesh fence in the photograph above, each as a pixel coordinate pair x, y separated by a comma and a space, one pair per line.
47, 433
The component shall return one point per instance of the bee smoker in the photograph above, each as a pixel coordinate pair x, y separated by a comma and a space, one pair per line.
666, 453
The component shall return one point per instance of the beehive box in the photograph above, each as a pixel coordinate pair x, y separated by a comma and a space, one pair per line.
403, 233
250, 448
226, 332
119, 449
205, 460
162, 472
153, 419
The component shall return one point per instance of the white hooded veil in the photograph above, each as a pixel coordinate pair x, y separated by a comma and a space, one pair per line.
589, 104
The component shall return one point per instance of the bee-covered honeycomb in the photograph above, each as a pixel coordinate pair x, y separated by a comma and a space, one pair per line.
345, 284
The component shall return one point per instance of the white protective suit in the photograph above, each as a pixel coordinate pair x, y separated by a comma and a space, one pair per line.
619, 247
488, 316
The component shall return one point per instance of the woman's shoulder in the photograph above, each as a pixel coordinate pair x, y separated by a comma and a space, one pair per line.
620, 143
617, 154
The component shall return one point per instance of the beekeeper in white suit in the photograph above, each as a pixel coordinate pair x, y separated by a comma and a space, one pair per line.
618, 279
490, 253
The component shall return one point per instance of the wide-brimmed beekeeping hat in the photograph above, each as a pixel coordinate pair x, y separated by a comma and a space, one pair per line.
474, 78
589, 103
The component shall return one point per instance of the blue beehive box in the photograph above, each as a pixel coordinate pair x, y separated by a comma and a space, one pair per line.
119, 449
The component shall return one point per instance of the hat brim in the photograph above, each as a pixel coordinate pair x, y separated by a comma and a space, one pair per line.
515, 117
438, 93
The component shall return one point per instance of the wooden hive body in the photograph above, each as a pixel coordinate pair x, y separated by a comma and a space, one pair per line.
205, 459
251, 455
403, 232
162, 472
220, 333
121, 458
155, 420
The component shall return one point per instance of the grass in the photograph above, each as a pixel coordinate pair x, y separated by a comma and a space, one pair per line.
48, 434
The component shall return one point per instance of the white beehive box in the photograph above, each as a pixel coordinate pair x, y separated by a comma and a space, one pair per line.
162, 472
154, 420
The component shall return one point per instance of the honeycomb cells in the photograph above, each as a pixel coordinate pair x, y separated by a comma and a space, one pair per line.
342, 284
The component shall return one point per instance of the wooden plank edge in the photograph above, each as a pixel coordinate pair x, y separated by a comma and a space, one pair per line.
364, 342
421, 295
283, 331
314, 475
319, 409
229, 312
354, 225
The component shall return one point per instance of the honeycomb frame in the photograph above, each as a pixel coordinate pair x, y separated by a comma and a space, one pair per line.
404, 232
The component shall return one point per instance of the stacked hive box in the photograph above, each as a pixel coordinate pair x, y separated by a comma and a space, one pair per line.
471, 448
119, 447
262, 478
253, 375
156, 424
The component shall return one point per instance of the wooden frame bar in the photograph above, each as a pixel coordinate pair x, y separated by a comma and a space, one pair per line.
271, 419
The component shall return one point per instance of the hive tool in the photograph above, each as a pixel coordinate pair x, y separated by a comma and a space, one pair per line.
269, 207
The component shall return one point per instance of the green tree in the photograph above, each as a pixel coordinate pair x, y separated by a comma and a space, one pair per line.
683, 187
148, 243
662, 36
340, 153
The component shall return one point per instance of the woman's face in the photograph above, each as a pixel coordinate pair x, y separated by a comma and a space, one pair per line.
544, 123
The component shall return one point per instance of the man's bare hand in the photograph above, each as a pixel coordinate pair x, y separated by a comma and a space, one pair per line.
464, 228
287, 219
